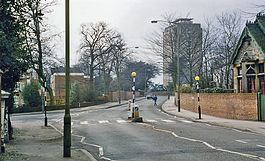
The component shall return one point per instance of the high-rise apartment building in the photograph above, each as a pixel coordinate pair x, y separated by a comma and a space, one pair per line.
182, 38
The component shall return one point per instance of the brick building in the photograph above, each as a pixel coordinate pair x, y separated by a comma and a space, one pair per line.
58, 84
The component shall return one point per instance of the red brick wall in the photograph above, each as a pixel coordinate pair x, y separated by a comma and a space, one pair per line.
125, 95
227, 105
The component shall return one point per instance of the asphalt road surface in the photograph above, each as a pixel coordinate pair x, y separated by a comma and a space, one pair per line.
109, 135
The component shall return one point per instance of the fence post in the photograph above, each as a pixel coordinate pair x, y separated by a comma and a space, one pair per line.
259, 106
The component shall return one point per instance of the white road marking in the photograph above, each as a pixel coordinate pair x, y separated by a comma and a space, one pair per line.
103, 121
121, 121
208, 124
237, 130
168, 121
83, 122
209, 145
101, 151
262, 146
241, 141
151, 121
186, 121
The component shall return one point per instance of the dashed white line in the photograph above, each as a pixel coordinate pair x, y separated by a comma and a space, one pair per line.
168, 121
151, 121
241, 141
186, 121
237, 130
84, 122
103, 121
262, 146
210, 146
121, 121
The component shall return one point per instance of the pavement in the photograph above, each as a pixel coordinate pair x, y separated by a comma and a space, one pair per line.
33, 141
242, 125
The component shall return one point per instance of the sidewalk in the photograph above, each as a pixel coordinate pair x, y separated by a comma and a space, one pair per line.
252, 126
33, 141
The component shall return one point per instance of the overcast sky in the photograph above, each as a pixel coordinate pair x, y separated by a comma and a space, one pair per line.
132, 17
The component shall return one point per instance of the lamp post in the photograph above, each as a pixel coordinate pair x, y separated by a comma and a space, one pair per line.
67, 116
173, 40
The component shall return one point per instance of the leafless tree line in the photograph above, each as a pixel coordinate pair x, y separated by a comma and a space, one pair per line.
208, 56
102, 51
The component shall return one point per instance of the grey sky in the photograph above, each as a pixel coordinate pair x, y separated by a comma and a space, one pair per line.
132, 17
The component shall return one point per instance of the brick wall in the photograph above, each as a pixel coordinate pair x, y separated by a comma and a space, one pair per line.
227, 105
125, 95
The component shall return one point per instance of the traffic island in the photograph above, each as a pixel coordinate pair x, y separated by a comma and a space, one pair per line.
137, 119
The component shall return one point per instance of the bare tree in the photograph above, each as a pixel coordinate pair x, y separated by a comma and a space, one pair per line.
37, 40
229, 27
93, 37
120, 53
107, 57
208, 53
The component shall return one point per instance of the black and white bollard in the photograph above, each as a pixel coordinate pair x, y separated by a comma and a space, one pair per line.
135, 109
197, 78
45, 104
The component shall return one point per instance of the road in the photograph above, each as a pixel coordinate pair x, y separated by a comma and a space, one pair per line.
109, 135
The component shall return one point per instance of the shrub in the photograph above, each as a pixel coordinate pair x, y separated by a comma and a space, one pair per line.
75, 94
31, 95
185, 89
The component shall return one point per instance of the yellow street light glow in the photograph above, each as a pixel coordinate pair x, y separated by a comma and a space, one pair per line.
133, 74
197, 78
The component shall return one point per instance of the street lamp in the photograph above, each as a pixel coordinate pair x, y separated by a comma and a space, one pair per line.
177, 54
67, 116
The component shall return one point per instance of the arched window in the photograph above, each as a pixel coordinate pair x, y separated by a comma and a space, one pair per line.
251, 69
251, 76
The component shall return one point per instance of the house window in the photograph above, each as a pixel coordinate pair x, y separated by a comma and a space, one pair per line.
240, 89
261, 68
239, 71
251, 84
251, 69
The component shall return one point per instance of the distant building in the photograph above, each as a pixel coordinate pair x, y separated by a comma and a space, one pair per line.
185, 37
249, 56
24, 80
58, 84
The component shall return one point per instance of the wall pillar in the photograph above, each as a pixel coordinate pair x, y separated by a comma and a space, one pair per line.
235, 79
257, 86
244, 77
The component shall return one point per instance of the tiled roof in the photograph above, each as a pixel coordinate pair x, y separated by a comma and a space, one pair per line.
254, 30
256, 33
